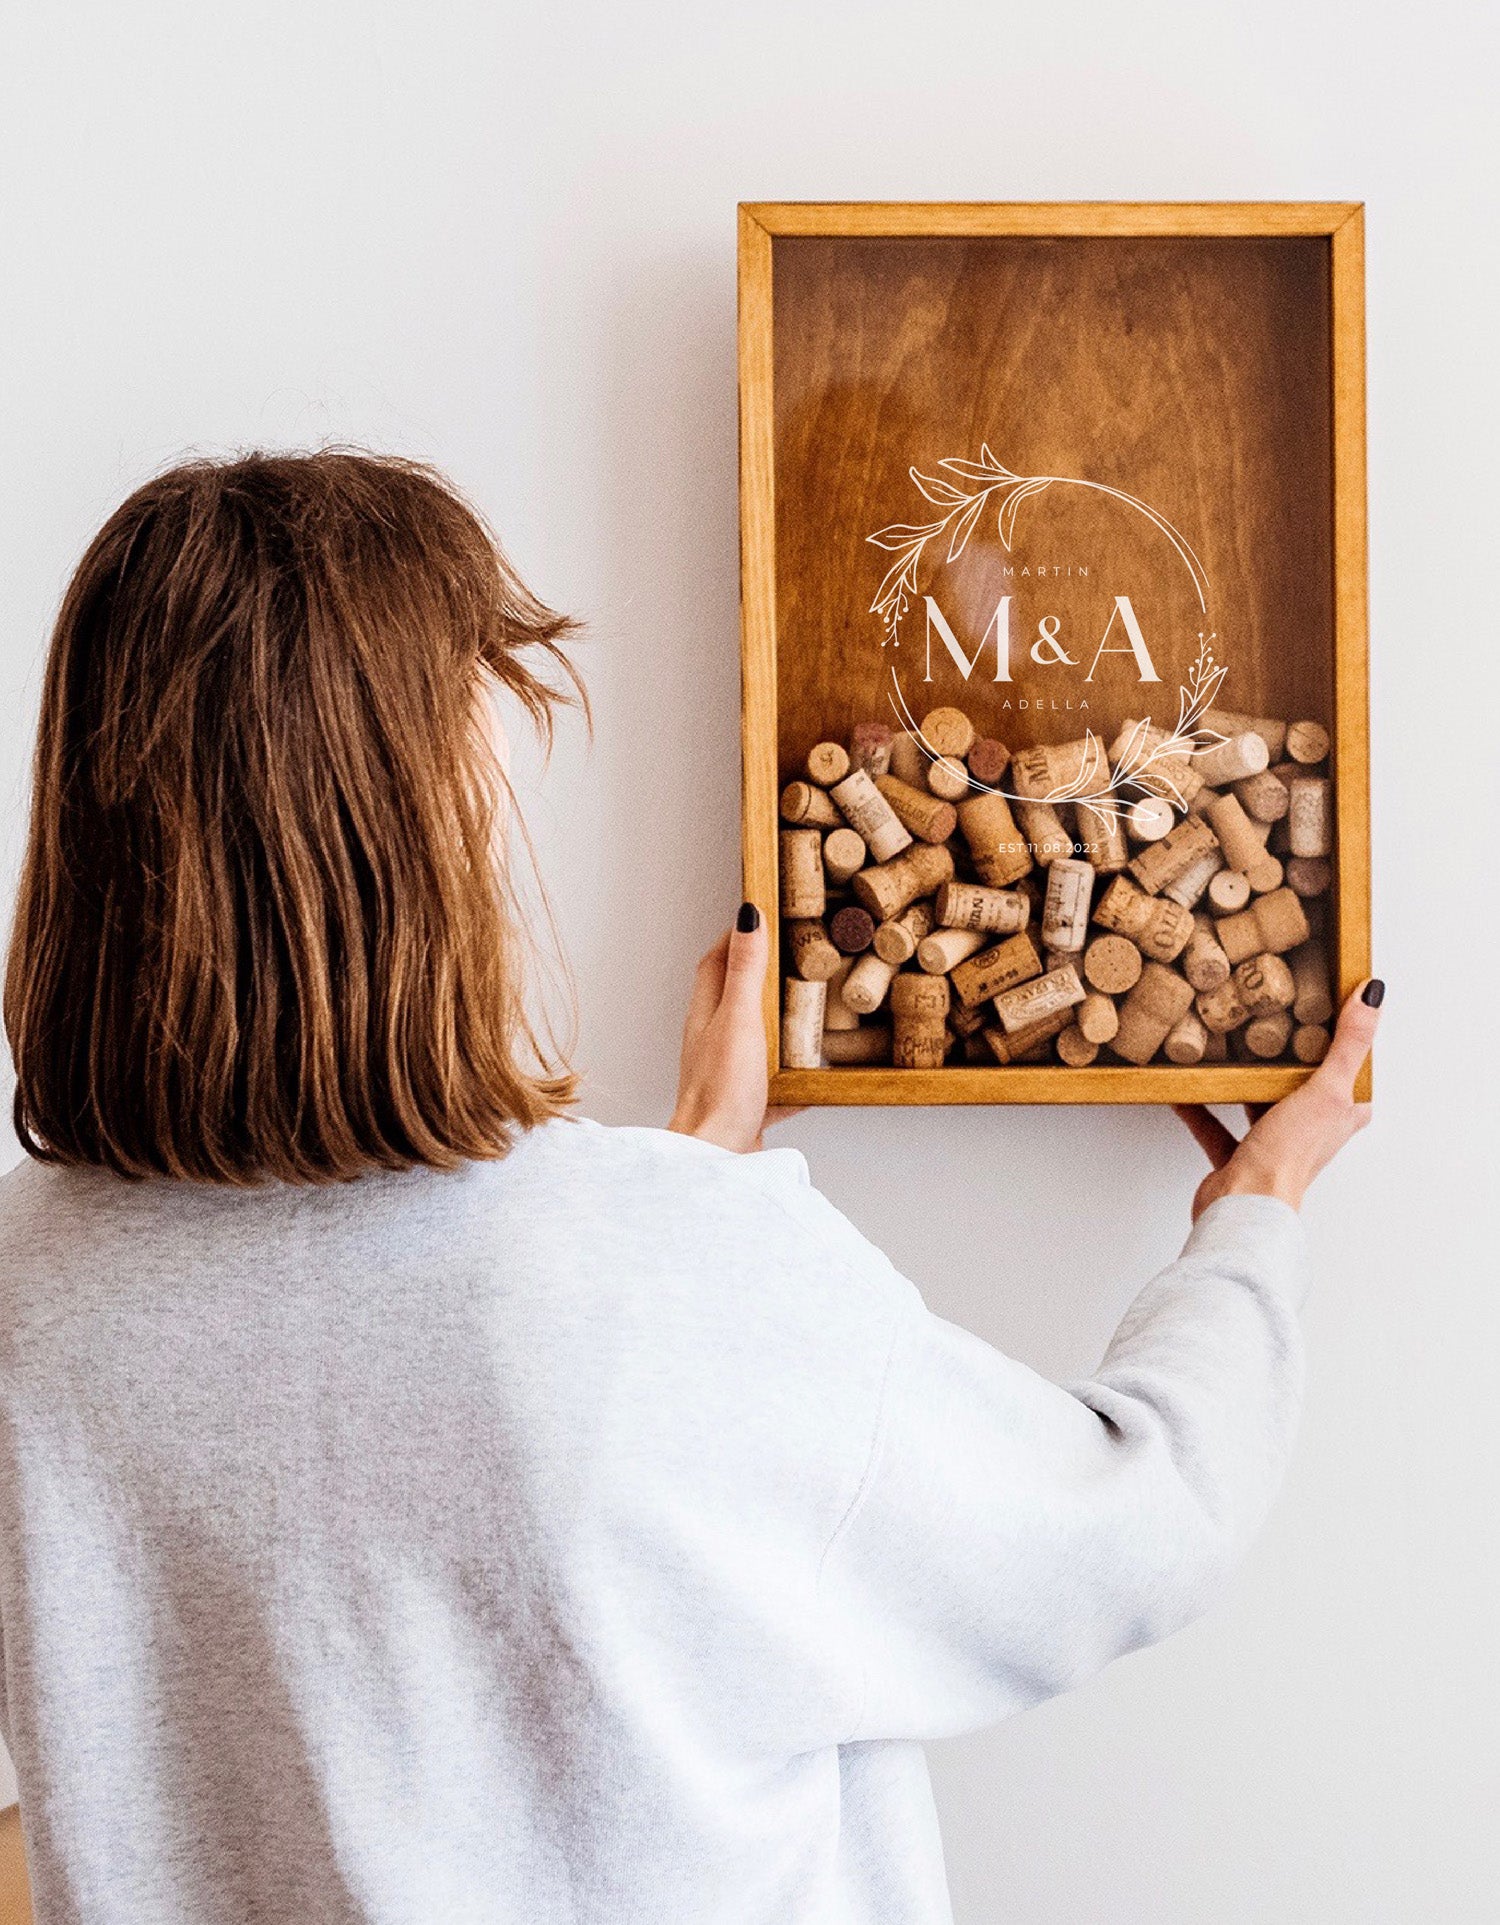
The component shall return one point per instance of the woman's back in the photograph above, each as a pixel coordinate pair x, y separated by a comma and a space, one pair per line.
434, 1546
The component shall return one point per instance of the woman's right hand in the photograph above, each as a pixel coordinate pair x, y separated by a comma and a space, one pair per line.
1290, 1141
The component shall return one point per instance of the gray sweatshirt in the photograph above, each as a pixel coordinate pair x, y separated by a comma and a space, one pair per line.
592, 1535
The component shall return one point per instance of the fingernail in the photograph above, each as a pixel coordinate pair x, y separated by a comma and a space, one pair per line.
1373, 992
749, 918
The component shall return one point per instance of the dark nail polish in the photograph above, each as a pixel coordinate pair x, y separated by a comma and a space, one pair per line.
749, 918
1373, 992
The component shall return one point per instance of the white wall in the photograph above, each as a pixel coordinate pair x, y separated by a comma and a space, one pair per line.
503, 237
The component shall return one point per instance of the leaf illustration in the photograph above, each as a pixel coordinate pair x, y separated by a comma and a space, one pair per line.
1007, 517
937, 490
1125, 762
893, 583
964, 527
900, 534
993, 465
970, 470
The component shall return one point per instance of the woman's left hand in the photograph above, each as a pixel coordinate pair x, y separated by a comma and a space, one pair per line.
721, 1092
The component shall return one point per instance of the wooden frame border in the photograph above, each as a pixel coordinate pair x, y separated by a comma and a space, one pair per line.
1342, 222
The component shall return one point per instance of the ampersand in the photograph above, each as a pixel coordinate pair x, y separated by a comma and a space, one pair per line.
1046, 630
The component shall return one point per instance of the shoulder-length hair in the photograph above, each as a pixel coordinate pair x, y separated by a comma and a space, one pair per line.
262, 930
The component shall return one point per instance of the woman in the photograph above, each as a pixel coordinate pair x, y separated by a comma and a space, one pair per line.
416, 1502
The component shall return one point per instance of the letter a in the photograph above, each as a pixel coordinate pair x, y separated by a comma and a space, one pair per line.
1135, 639
1000, 623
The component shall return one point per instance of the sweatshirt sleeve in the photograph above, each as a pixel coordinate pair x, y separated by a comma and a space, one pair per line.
1011, 1536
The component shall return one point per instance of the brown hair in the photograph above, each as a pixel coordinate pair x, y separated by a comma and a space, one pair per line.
261, 929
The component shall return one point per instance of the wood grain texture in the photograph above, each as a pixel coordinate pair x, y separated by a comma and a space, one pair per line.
1043, 1083
1050, 217
758, 726
1351, 745
1206, 360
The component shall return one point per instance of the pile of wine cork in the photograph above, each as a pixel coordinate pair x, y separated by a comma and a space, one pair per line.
929, 921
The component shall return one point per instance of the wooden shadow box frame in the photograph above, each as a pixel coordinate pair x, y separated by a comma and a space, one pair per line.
1225, 347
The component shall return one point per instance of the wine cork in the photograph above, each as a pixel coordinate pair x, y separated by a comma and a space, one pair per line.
944, 949
1307, 742
1260, 985
948, 731
1191, 886
1263, 797
1310, 816
925, 814
1243, 848
1229, 722
996, 846
919, 1005
1101, 832
1042, 996
908, 759
1150, 1012
1229, 890
1026, 1044
1138, 751
887, 888
1268, 1036
814, 957
843, 854
1217, 1050
969, 905
1065, 914
1310, 1042
948, 778
1269, 875
1031, 773
808, 805
1275, 923
1313, 981
1231, 760
1204, 962
1150, 819
1309, 876
1097, 1017
1045, 831
836, 1012
870, 1043
1074, 1048
988, 760
1048, 771
852, 929
1160, 863
803, 893
896, 941
802, 1023
827, 763
1156, 926
993, 971
963, 1020
867, 982
870, 748
1187, 1039
1112, 964
870, 815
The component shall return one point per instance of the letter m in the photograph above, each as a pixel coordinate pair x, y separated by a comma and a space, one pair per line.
999, 627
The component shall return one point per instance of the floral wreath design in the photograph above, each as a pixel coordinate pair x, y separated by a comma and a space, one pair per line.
1144, 767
